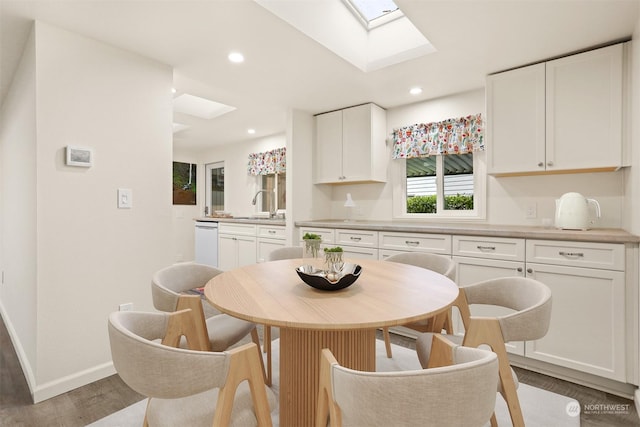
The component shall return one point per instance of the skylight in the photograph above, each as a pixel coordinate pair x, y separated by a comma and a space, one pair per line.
200, 107
372, 9
372, 12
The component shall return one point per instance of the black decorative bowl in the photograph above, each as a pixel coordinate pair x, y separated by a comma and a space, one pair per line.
319, 280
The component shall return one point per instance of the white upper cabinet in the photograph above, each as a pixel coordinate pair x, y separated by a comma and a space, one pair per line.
562, 115
350, 145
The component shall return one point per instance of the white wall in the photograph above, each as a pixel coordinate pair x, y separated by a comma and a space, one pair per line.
239, 186
18, 215
507, 197
89, 256
183, 215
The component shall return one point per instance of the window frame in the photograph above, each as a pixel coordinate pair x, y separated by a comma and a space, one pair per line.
277, 190
399, 190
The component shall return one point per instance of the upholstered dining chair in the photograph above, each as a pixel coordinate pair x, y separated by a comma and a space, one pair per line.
218, 388
286, 252
457, 389
530, 301
438, 263
214, 333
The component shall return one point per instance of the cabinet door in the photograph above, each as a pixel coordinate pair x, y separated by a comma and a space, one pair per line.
328, 166
246, 250
516, 121
584, 110
227, 252
587, 320
356, 143
266, 246
472, 270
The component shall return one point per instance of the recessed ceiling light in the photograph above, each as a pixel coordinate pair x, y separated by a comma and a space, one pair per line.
415, 90
251, 131
236, 57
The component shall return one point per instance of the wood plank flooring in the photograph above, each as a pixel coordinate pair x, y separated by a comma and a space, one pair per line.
87, 404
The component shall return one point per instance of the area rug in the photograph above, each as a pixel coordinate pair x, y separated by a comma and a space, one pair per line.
540, 408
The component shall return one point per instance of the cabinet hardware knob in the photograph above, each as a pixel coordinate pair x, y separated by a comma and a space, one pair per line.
272, 232
357, 239
549, 163
571, 254
486, 248
519, 269
412, 242
529, 270
540, 164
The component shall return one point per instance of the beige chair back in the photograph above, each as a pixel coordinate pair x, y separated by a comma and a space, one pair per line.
434, 262
187, 387
167, 283
462, 394
530, 299
149, 367
288, 252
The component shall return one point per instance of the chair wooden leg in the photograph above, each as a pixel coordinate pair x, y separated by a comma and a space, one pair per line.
387, 342
487, 331
494, 421
256, 339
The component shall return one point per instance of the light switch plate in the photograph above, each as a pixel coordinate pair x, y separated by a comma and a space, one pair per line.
125, 198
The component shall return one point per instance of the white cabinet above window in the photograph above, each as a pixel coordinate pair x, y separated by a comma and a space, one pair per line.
561, 115
350, 145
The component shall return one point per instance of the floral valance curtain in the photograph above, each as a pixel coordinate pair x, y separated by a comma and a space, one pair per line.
269, 162
451, 136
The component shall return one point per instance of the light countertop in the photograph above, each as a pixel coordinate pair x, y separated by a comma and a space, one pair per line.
604, 235
243, 220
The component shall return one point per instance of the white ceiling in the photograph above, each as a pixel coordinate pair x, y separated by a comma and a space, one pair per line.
285, 69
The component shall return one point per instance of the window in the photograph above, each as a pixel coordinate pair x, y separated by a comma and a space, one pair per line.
214, 186
438, 186
277, 182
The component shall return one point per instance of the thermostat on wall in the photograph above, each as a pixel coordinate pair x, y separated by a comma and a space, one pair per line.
79, 156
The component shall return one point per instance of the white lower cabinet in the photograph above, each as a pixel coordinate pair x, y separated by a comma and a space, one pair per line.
236, 251
270, 238
587, 329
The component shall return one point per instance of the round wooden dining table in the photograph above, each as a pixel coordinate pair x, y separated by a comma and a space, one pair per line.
345, 321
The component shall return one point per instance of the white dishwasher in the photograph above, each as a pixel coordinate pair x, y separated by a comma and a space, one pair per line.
207, 243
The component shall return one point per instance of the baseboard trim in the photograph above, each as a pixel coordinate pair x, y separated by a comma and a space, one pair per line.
60, 385
71, 382
17, 345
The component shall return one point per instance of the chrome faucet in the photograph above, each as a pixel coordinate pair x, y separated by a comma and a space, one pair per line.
272, 210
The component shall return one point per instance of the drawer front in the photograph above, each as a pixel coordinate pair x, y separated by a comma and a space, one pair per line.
363, 238
411, 242
326, 234
272, 232
489, 247
354, 253
240, 229
607, 256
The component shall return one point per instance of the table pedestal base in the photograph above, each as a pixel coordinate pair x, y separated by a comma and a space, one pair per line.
300, 365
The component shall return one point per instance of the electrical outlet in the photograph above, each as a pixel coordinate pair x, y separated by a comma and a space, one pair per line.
126, 307
532, 211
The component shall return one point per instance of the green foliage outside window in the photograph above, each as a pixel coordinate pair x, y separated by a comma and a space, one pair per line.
427, 204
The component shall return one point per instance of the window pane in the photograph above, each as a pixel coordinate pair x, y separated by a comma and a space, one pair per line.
268, 183
282, 191
217, 189
458, 181
421, 185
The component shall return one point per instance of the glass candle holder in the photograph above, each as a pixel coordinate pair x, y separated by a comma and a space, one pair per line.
311, 255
